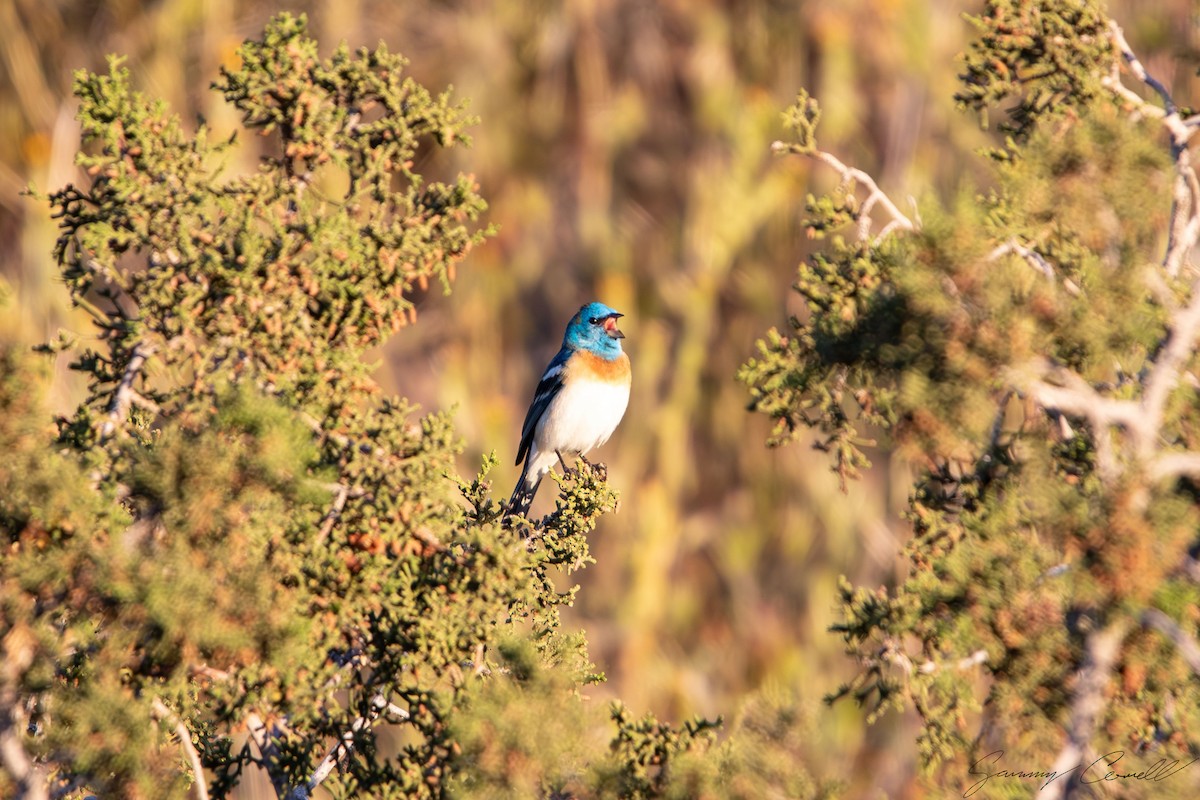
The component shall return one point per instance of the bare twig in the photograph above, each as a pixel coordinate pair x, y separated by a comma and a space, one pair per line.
875, 195
1175, 465
1139, 72
264, 740
1035, 260
1058, 569
122, 397
161, 712
28, 780
212, 673
973, 660
1081, 400
145, 403
893, 653
1088, 702
1076, 397
341, 492
1163, 375
379, 706
1185, 643
1141, 419
1185, 211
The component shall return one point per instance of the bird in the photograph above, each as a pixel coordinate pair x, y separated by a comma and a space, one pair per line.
579, 401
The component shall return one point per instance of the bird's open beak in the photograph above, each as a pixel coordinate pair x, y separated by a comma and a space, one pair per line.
610, 327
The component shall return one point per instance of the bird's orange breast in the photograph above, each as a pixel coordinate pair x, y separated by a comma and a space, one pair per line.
590, 365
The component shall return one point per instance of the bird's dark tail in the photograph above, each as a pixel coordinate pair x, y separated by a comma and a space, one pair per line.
523, 494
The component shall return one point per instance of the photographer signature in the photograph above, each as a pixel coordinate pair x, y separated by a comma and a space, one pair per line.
1099, 770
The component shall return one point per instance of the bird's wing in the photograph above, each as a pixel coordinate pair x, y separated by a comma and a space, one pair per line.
547, 389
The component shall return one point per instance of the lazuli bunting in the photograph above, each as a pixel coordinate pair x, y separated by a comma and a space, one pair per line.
579, 401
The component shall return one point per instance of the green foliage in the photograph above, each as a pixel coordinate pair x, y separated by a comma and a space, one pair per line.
646, 750
1035, 522
306, 262
237, 536
528, 735
1043, 59
801, 119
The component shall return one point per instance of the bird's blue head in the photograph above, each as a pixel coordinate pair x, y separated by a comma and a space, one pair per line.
594, 329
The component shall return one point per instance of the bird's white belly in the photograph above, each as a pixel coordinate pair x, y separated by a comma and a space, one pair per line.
582, 417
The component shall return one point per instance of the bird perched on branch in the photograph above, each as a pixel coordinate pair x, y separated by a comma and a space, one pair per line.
579, 401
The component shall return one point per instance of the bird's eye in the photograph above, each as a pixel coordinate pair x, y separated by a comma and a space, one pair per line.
595, 320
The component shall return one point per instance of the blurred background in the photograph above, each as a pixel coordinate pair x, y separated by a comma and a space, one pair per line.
624, 149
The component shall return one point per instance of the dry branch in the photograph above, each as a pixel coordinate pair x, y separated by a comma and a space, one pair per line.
162, 713
1074, 396
379, 705
1163, 376
28, 780
1175, 465
875, 195
1102, 649
1185, 644
1034, 259
1185, 210
123, 395
973, 660
264, 740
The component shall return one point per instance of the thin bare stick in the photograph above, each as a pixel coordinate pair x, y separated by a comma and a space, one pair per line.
874, 193
1139, 71
1185, 210
28, 781
1088, 702
212, 673
122, 397
1175, 465
145, 403
1076, 397
334, 512
1185, 205
161, 712
1089, 404
1034, 259
264, 740
1163, 376
379, 705
886, 229
973, 660
1185, 644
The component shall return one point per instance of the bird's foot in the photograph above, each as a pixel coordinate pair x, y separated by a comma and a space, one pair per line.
597, 468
